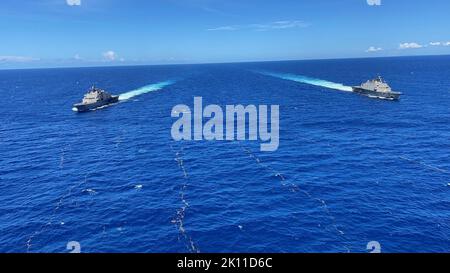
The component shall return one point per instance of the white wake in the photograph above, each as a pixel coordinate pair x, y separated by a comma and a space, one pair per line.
311, 81
145, 89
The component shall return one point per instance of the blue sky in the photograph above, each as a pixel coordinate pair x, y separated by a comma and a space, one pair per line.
54, 33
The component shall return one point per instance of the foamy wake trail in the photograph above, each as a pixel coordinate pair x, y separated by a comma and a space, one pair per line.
144, 90
311, 81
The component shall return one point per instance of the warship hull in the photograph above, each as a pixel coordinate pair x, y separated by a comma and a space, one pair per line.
376, 94
81, 107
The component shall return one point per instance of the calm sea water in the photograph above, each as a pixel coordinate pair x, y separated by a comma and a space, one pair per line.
349, 169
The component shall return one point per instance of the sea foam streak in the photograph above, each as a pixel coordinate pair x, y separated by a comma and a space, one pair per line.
144, 90
311, 81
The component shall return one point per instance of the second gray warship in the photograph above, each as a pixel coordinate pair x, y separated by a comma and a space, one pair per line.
95, 98
377, 88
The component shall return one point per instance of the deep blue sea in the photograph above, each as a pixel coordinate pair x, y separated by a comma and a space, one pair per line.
349, 169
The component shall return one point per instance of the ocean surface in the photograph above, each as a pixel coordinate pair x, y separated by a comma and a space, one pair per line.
349, 170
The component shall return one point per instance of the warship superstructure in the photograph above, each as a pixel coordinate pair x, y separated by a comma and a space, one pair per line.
377, 88
94, 99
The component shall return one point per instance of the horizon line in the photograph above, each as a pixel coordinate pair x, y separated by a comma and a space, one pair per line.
225, 62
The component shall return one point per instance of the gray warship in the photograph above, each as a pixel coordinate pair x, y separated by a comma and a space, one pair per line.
377, 88
93, 99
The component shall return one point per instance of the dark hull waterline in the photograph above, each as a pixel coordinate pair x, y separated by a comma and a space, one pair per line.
376, 94
80, 108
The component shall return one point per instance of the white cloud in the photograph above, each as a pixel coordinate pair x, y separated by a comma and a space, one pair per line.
222, 28
374, 2
110, 55
73, 2
374, 49
286, 24
280, 25
440, 43
410, 46
77, 57
17, 59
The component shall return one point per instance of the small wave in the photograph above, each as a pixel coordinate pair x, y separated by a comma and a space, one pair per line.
90, 191
144, 90
310, 81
